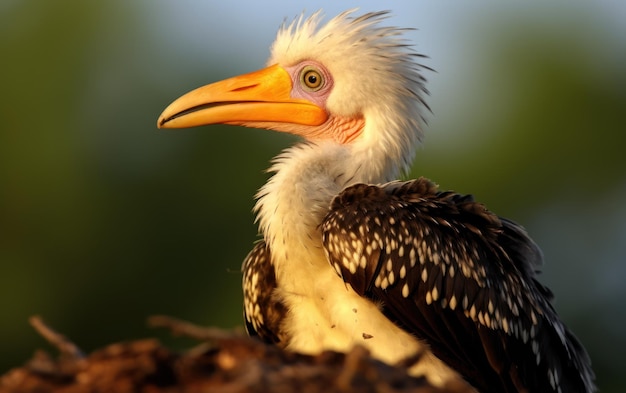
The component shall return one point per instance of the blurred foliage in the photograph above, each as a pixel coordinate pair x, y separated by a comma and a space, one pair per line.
105, 220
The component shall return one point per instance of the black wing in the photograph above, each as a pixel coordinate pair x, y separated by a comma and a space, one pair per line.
262, 312
459, 277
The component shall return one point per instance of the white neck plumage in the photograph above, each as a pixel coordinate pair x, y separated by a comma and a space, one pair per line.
293, 202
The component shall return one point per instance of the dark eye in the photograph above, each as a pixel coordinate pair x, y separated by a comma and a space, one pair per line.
311, 78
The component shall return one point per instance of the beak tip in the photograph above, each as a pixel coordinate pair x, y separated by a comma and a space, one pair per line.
161, 122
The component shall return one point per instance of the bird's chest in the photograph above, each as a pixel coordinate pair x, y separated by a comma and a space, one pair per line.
324, 313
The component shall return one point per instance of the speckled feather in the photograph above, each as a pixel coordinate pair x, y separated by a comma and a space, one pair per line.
459, 277
263, 314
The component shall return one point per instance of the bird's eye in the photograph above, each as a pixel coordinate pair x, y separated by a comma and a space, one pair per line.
311, 79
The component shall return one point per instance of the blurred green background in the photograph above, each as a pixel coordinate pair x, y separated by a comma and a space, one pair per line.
105, 220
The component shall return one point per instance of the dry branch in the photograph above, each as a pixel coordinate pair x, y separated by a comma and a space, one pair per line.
222, 362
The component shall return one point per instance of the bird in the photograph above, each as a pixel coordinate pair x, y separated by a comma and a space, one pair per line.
349, 255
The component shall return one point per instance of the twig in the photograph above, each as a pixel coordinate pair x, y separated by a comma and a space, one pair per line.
188, 329
352, 366
65, 346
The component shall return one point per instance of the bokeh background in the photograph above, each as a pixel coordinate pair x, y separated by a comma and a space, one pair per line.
105, 220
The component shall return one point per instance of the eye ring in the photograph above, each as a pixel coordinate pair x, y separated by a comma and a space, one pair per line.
311, 78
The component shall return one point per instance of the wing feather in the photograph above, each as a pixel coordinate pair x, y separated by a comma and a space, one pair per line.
263, 313
459, 277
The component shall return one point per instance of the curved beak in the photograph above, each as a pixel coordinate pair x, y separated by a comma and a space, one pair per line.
260, 96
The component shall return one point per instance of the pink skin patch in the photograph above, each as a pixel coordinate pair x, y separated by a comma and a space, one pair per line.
320, 95
340, 129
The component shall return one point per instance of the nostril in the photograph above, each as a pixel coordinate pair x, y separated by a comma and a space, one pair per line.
245, 87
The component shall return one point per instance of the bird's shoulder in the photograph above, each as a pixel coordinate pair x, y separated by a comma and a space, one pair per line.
456, 275
416, 224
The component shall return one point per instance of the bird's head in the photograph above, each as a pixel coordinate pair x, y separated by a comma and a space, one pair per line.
350, 81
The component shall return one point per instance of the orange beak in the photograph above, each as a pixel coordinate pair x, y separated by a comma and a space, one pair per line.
260, 96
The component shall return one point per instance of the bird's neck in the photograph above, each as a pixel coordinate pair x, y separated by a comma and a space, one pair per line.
292, 204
